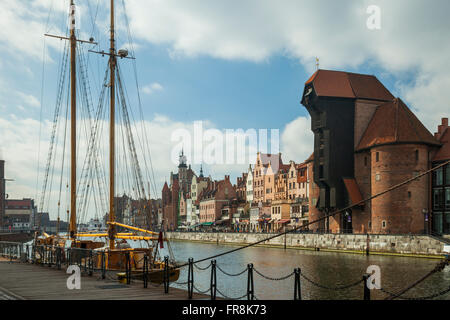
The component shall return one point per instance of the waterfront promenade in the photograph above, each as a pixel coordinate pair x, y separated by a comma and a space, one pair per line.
24, 281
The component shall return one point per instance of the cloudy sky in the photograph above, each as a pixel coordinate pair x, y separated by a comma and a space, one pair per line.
231, 64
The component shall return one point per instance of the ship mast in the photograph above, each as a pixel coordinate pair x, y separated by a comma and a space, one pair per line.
73, 115
73, 128
112, 66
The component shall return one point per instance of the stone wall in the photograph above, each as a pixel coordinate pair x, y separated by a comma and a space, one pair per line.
389, 244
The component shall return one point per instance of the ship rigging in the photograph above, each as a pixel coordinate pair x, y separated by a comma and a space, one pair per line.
92, 185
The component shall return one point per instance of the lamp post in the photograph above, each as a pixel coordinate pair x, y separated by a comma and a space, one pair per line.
425, 220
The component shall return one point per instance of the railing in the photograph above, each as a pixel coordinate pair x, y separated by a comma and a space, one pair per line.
89, 259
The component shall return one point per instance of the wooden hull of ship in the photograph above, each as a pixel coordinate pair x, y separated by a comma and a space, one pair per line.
156, 275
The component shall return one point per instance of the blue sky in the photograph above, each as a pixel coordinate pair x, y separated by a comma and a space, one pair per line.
232, 64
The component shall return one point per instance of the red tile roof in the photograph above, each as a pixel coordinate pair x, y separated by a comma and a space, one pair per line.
353, 190
328, 83
311, 158
393, 122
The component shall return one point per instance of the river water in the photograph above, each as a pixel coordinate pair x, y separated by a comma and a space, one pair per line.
326, 268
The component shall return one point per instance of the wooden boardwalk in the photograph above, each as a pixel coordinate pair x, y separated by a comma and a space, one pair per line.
36, 282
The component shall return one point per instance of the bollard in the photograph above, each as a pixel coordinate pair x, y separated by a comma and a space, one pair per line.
191, 278
28, 252
297, 285
145, 271
250, 285
166, 274
366, 288
213, 280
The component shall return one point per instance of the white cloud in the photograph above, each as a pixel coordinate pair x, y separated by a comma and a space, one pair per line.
21, 145
151, 88
28, 99
412, 40
297, 140
23, 24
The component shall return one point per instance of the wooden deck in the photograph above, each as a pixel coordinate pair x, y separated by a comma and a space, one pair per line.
35, 282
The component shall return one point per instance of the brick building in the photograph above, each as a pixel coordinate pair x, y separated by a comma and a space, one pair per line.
440, 190
365, 141
241, 187
19, 213
170, 201
214, 198
180, 186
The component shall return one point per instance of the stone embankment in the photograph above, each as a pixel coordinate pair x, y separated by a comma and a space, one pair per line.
404, 245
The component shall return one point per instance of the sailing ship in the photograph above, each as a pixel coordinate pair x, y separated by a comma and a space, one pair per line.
115, 247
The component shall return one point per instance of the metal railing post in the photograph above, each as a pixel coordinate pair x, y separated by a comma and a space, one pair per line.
166, 274
69, 257
213, 280
50, 262
366, 288
191, 278
33, 253
91, 263
297, 285
250, 284
145, 271
128, 267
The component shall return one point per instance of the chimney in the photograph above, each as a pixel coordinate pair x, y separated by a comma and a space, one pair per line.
441, 128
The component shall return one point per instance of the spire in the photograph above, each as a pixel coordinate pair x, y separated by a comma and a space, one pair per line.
201, 171
182, 160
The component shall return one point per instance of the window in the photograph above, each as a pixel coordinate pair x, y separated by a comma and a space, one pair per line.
365, 161
438, 177
377, 156
447, 174
378, 177
438, 198
417, 155
383, 224
447, 198
409, 194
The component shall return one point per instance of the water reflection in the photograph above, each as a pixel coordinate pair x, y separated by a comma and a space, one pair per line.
329, 269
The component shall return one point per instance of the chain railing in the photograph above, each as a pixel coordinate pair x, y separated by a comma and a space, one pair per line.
92, 261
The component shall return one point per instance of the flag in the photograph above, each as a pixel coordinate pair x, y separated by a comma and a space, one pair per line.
160, 240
